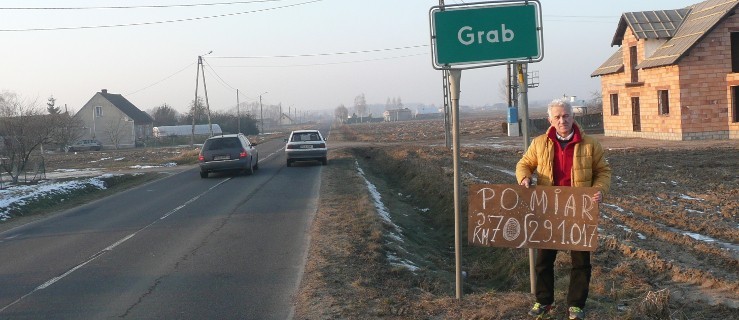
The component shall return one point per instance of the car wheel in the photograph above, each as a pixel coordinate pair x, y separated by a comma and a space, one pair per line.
256, 166
203, 174
288, 162
250, 170
324, 161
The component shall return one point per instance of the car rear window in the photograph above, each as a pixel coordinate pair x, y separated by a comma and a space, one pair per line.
222, 143
309, 136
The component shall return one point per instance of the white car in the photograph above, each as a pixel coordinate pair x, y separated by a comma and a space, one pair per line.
306, 145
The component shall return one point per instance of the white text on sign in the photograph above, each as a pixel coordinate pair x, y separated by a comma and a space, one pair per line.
466, 35
537, 217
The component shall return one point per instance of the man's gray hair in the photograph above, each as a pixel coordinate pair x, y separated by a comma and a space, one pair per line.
559, 103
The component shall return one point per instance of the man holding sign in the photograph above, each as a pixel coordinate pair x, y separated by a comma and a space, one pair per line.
564, 156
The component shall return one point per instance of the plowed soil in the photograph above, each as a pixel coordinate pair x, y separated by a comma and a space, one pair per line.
669, 237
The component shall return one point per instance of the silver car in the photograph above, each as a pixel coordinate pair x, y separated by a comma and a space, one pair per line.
306, 145
85, 145
228, 152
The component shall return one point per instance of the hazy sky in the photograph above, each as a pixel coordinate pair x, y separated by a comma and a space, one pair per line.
343, 48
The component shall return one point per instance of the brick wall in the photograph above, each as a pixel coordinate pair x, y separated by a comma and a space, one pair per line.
703, 74
698, 88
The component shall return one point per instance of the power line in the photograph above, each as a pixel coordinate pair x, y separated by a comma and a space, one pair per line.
325, 64
140, 7
224, 83
160, 22
583, 21
321, 54
160, 81
597, 17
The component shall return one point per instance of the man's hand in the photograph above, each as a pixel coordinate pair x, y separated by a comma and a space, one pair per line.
526, 182
597, 197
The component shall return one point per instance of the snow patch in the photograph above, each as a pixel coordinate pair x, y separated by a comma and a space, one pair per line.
166, 165
687, 197
17, 196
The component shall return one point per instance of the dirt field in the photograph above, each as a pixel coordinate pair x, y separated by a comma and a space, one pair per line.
669, 239
669, 244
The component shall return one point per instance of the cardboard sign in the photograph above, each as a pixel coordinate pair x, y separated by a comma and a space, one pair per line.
513, 216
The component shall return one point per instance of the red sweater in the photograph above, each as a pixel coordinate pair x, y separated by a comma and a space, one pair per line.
563, 158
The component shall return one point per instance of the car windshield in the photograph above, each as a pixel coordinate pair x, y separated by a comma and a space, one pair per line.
222, 143
308, 136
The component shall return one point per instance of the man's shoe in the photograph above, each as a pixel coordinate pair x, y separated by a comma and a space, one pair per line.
576, 313
541, 311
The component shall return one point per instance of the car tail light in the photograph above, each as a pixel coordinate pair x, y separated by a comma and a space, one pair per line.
321, 145
292, 146
201, 158
243, 154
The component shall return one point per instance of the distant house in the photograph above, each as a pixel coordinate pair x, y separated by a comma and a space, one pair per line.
286, 120
398, 114
114, 121
675, 75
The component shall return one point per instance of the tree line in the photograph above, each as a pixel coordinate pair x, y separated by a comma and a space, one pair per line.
341, 113
229, 121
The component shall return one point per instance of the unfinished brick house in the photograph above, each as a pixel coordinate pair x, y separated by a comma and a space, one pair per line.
675, 75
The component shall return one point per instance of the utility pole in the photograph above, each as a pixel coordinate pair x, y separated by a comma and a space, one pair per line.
195, 103
205, 88
261, 113
238, 114
508, 87
447, 110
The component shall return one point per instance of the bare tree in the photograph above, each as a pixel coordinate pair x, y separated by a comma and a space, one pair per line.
117, 130
341, 113
24, 128
68, 130
360, 104
595, 104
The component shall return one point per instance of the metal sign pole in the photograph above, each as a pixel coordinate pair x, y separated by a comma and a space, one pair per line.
454, 81
523, 106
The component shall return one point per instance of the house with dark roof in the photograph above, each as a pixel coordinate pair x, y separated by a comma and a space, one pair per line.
675, 75
114, 121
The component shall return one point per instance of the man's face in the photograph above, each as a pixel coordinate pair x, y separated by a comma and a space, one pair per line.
561, 120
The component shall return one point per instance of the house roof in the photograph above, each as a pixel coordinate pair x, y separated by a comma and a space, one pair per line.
683, 28
703, 17
614, 64
127, 107
659, 24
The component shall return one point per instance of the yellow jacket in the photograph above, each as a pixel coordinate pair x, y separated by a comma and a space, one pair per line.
589, 167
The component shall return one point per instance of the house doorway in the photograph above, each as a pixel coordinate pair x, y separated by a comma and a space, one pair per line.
635, 114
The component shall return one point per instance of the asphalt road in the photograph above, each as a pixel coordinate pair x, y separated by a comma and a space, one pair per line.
182, 247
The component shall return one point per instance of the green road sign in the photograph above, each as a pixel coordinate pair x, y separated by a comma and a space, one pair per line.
486, 34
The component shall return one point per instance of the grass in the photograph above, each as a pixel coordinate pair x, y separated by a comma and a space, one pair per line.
59, 201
